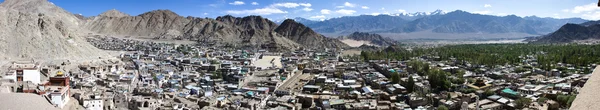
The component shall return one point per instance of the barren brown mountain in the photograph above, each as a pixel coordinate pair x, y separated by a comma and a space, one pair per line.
252, 31
37, 29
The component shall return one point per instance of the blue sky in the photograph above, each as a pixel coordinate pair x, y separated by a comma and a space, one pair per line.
324, 9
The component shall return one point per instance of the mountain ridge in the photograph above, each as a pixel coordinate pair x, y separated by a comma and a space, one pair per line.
572, 32
249, 31
454, 22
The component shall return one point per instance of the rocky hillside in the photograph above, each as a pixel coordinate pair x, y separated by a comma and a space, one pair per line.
372, 38
306, 36
572, 32
250, 31
37, 29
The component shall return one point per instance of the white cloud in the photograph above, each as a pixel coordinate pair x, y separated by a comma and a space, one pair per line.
318, 17
260, 11
307, 9
583, 8
364, 7
271, 9
401, 11
345, 12
205, 13
291, 5
237, 3
305, 4
382, 8
325, 11
592, 16
287, 5
483, 12
565, 10
487, 5
254, 3
347, 4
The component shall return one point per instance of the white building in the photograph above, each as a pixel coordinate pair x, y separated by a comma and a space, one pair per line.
59, 96
24, 71
93, 102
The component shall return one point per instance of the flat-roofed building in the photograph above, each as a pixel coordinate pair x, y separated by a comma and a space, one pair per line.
25, 71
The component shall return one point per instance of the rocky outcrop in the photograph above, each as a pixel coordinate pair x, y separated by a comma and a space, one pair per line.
372, 38
305, 36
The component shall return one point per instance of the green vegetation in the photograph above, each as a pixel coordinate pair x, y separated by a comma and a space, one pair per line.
542, 99
442, 107
488, 92
565, 100
395, 78
409, 84
439, 80
418, 67
522, 103
499, 54
184, 49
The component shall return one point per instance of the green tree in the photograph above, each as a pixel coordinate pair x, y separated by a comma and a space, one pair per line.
442, 107
410, 84
570, 100
522, 103
542, 99
439, 80
395, 78
488, 92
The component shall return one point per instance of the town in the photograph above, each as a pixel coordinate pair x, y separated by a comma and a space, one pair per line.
148, 76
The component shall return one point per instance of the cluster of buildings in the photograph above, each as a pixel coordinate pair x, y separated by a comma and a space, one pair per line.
190, 77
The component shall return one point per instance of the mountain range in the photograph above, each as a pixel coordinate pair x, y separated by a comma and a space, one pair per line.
38, 29
572, 32
249, 31
455, 22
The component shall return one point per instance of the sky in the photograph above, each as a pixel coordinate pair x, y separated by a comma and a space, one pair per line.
326, 9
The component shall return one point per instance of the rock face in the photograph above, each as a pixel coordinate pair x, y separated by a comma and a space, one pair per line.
37, 29
571, 32
303, 35
372, 38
